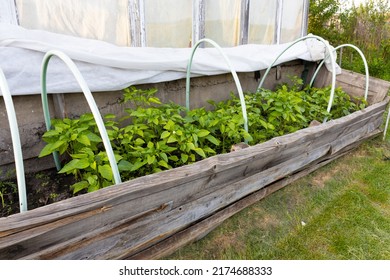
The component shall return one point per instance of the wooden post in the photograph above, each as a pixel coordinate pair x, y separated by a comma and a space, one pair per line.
198, 21
305, 17
244, 22
137, 23
278, 22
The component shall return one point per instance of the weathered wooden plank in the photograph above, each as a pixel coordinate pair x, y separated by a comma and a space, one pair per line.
355, 84
355, 135
203, 227
276, 153
82, 218
187, 173
226, 195
136, 235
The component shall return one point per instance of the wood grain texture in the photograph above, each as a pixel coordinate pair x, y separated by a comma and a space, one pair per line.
126, 219
203, 227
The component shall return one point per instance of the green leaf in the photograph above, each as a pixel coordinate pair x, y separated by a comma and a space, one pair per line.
75, 164
109, 116
165, 134
191, 146
86, 117
163, 164
164, 156
93, 188
179, 132
209, 150
138, 164
170, 125
83, 139
117, 157
213, 140
151, 159
79, 186
52, 147
124, 165
174, 158
150, 145
203, 133
92, 179
106, 183
200, 152
139, 142
172, 139
184, 158
105, 171
51, 133
47, 150
154, 100
93, 165
79, 156
93, 137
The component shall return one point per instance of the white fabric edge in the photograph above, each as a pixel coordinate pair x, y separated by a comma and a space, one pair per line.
108, 67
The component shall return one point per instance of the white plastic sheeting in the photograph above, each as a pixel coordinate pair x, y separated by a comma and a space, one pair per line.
163, 23
105, 20
222, 22
292, 20
168, 23
262, 28
109, 67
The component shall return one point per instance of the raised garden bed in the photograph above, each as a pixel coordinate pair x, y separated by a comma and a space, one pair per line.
150, 216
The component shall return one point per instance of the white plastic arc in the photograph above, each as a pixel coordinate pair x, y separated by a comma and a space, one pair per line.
13, 124
332, 62
386, 125
364, 61
235, 77
91, 102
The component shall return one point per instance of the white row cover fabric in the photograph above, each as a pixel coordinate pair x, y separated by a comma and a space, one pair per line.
107, 67
8, 12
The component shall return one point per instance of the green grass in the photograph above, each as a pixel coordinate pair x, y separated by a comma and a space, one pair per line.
341, 211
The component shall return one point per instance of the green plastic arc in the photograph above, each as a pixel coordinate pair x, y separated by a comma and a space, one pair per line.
91, 102
15, 136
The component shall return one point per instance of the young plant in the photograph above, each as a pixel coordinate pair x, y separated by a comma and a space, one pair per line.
153, 137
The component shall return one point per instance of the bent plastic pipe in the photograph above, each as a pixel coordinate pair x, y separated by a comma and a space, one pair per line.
332, 62
13, 124
91, 103
387, 124
364, 61
235, 77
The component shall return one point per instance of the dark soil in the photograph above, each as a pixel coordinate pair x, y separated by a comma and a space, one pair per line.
42, 188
